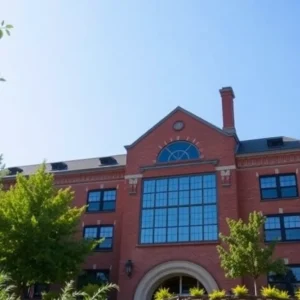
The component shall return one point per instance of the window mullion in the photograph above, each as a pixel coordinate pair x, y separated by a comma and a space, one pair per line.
180, 285
202, 207
178, 213
189, 208
98, 235
282, 227
278, 186
101, 200
167, 211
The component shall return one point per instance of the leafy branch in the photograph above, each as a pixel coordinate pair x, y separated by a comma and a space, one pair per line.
5, 28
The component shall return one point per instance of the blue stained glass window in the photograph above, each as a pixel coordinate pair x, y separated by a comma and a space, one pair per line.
179, 209
177, 151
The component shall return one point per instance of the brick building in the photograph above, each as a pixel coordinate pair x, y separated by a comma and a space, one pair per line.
161, 206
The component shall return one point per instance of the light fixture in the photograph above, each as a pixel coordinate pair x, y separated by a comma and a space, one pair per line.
129, 267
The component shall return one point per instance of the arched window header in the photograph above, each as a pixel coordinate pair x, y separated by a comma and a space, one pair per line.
177, 151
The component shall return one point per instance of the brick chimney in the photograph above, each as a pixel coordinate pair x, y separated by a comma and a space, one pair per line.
227, 96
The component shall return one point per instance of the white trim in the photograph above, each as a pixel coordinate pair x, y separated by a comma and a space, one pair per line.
158, 274
222, 168
133, 176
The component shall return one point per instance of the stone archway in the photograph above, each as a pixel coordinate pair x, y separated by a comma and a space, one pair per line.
151, 280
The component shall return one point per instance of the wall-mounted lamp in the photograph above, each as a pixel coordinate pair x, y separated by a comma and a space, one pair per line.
129, 267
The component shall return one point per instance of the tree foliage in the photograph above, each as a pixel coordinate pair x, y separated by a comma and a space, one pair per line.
244, 252
4, 28
38, 228
2, 166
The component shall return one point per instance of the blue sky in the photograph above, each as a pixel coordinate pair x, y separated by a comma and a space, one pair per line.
85, 78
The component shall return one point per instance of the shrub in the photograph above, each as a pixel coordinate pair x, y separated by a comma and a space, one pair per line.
283, 295
91, 289
70, 293
297, 294
6, 290
163, 294
196, 292
239, 291
216, 294
269, 292
50, 295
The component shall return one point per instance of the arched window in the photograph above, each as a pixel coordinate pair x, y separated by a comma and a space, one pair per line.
180, 150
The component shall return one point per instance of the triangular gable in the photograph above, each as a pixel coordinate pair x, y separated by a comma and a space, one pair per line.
178, 108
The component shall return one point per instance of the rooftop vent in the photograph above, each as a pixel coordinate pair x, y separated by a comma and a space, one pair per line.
108, 161
14, 170
275, 142
59, 166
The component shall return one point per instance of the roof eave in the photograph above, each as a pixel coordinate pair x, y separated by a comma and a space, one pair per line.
67, 172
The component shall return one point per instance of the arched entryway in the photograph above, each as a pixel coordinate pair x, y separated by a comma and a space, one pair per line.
173, 269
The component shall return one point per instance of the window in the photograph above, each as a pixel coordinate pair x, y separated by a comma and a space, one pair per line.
102, 200
14, 171
179, 209
180, 285
275, 142
93, 277
36, 290
40, 288
176, 151
108, 161
99, 232
59, 166
282, 228
289, 282
278, 186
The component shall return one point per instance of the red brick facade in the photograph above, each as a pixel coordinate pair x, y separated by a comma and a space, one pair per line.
238, 194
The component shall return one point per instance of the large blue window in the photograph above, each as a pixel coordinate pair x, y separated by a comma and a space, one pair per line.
176, 151
179, 209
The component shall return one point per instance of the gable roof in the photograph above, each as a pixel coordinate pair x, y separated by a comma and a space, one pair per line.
261, 145
88, 164
178, 108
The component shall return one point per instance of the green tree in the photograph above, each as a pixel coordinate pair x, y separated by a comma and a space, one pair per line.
2, 166
244, 252
4, 28
39, 232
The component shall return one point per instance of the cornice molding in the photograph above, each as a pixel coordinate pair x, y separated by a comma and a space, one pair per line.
268, 160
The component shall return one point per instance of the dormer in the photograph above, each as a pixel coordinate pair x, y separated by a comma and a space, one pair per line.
59, 166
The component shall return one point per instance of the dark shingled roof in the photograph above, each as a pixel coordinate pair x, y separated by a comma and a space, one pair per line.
90, 164
261, 145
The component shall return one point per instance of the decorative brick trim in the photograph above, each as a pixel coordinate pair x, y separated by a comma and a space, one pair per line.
63, 180
268, 160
